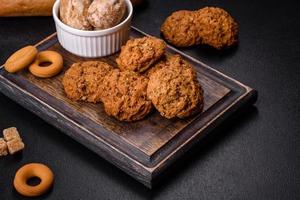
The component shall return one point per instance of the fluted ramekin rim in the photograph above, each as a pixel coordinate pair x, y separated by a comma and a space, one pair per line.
75, 31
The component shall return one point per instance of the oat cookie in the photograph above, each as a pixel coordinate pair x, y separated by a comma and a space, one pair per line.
158, 65
124, 95
174, 89
103, 14
216, 27
74, 13
180, 29
139, 54
82, 80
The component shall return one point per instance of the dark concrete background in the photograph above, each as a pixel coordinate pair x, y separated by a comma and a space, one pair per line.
253, 155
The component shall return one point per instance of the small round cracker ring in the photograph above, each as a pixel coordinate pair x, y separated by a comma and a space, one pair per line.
54, 68
30, 171
20, 59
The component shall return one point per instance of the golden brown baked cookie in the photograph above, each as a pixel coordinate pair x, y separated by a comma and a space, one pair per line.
180, 29
74, 13
216, 27
174, 89
82, 80
103, 14
210, 25
124, 95
158, 65
140, 53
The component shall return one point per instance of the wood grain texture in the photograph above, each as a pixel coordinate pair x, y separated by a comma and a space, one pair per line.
143, 148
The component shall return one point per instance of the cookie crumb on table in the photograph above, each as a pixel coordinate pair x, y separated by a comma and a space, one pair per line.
12, 142
15, 145
3, 147
10, 133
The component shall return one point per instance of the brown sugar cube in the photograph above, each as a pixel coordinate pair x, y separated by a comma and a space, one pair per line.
3, 147
10, 133
15, 145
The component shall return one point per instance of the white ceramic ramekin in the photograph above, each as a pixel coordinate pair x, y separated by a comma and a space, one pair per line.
92, 44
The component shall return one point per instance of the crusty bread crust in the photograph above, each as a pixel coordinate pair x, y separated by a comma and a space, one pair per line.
11, 8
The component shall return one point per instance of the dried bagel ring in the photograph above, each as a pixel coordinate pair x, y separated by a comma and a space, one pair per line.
30, 171
20, 59
54, 68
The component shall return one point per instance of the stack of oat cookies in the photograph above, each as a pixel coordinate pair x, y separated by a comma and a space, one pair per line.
146, 77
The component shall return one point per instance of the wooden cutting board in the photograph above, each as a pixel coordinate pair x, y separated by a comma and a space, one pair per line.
143, 149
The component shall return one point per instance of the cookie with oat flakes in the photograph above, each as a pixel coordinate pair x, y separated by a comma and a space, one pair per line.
174, 89
83, 79
124, 95
180, 29
158, 65
140, 53
216, 27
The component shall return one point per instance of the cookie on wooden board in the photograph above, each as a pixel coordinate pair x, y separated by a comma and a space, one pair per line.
140, 53
174, 89
124, 95
83, 79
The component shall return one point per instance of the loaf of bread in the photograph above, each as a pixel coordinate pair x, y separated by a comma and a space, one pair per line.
12, 8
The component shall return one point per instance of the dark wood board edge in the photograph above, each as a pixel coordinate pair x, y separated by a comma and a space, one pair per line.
238, 90
77, 117
217, 76
145, 175
193, 127
248, 99
185, 133
83, 136
130, 150
51, 40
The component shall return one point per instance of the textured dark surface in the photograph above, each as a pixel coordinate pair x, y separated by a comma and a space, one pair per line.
253, 155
